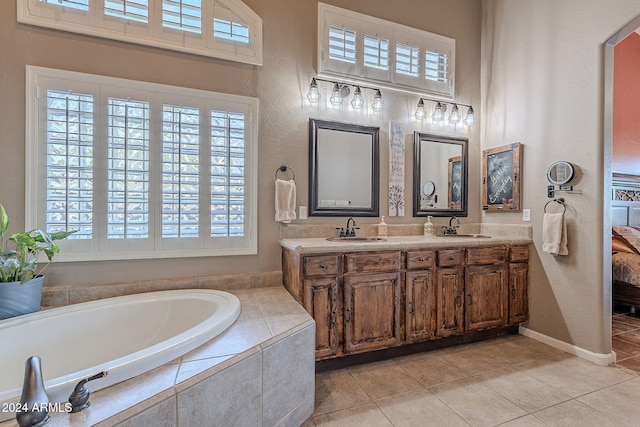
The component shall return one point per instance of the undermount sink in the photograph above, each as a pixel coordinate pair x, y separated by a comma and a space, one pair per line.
466, 235
355, 239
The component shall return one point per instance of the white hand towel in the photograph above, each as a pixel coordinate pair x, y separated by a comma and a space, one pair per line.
554, 234
285, 200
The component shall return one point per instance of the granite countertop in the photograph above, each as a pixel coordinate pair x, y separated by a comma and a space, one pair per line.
319, 245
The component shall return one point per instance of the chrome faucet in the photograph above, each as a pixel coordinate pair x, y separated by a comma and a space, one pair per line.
451, 229
34, 401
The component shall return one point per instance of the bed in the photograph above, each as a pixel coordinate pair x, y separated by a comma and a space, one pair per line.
625, 239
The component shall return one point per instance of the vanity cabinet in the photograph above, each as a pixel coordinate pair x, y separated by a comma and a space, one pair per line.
371, 300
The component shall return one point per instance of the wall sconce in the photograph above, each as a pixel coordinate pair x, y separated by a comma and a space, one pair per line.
343, 90
440, 110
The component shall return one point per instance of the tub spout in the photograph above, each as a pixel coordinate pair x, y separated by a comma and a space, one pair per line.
34, 401
79, 399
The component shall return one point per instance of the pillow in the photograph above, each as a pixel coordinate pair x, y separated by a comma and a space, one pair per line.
618, 244
630, 236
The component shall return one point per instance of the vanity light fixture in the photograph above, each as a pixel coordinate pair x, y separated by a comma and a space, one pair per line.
357, 102
314, 93
377, 102
343, 90
440, 110
420, 114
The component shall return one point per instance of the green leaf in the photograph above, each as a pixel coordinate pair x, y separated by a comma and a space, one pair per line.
23, 240
4, 220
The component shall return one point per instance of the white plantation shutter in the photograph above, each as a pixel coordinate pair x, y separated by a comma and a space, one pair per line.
407, 59
134, 10
436, 66
182, 15
226, 29
342, 44
128, 167
376, 52
69, 163
180, 171
141, 170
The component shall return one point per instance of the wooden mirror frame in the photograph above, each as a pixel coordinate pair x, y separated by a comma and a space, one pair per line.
314, 207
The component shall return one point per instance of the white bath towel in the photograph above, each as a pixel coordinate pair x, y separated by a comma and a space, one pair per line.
554, 234
285, 200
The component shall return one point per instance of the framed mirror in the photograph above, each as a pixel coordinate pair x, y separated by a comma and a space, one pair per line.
344, 169
560, 173
440, 166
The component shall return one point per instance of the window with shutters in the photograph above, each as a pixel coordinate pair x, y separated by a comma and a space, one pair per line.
226, 29
140, 170
363, 49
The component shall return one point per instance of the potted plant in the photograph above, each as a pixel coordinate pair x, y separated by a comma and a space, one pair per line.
20, 283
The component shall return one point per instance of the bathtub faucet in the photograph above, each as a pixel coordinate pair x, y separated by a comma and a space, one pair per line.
34, 401
79, 399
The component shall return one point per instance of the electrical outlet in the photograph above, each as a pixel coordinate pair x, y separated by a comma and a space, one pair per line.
302, 212
526, 214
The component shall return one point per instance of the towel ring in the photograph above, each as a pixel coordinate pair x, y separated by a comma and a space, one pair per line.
560, 201
284, 168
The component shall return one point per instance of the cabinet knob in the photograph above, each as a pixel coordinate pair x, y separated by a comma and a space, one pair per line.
411, 311
334, 318
348, 313
513, 293
323, 266
420, 259
458, 301
470, 299
451, 258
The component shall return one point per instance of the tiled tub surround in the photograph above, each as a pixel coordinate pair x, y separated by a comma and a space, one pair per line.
259, 372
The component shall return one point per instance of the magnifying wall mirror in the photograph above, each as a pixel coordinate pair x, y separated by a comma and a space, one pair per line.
560, 173
343, 169
440, 167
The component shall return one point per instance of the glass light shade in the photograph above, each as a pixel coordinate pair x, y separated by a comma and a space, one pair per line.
470, 118
454, 117
314, 93
420, 114
357, 102
377, 101
438, 113
336, 97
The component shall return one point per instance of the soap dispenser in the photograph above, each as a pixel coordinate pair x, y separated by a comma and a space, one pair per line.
428, 227
382, 228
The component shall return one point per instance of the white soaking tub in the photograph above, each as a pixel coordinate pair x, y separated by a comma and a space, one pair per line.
125, 336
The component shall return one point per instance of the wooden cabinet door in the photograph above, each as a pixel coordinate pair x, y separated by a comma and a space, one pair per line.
371, 312
421, 305
321, 302
518, 289
450, 309
486, 296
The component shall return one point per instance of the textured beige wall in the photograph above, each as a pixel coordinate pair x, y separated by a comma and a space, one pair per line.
280, 84
542, 85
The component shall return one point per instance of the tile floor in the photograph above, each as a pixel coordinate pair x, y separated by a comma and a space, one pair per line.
510, 381
625, 331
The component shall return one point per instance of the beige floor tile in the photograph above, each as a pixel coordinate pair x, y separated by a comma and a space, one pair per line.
476, 403
619, 402
574, 413
429, 369
419, 408
336, 390
557, 374
383, 379
521, 389
368, 415
607, 374
475, 361
526, 421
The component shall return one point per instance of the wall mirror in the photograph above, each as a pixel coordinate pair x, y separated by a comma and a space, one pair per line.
343, 169
440, 167
560, 173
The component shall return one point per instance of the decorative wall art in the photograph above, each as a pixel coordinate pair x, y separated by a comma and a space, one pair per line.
501, 178
396, 169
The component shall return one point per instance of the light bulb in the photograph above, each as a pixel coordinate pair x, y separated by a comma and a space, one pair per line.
314, 94
336, 97
470, 118
377, 101
357, 102
420, 114
438, 113
454, 117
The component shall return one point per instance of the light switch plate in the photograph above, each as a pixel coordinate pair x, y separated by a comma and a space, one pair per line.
526, 214
302, 212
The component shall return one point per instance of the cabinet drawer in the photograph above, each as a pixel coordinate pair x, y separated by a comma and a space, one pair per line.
321, 265
448, 257
419, 259
372, 261
490, 255
519, 253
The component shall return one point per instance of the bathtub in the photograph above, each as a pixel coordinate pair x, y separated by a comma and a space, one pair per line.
125, 336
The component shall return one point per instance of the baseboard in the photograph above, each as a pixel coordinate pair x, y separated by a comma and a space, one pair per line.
597, 358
